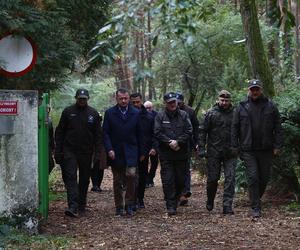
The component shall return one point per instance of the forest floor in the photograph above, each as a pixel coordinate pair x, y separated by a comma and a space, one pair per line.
192, 228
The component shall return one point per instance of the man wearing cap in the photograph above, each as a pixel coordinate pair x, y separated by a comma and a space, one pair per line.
124, 146
173, 130
214, 143
77, 137
193, 140
257, 133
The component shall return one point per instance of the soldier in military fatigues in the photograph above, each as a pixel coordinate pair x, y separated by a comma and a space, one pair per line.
215, 134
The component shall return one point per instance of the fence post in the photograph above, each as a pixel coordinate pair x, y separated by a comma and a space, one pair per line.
43, 155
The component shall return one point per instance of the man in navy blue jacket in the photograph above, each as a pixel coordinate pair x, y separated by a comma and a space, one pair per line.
147, 124
122, 140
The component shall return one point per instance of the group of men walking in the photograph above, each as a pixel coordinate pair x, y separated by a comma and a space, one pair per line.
133, 133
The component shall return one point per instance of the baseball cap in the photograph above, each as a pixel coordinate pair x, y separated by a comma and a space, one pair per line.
82, 93
224, 93
169, 97
180, 97
254, 83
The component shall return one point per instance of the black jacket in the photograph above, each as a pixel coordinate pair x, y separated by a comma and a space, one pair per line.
215, 132
176, 126
270, 132
194, 122
78, 131
147, 127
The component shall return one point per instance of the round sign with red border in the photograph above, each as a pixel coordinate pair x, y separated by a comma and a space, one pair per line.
17, 55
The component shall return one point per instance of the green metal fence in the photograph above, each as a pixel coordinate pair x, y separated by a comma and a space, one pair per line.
43, 141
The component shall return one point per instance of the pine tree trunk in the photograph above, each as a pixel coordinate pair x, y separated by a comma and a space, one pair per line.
258, 60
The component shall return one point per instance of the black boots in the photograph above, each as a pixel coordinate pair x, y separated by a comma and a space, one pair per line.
211, 193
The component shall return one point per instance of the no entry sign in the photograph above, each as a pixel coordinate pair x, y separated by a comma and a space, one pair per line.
8, 107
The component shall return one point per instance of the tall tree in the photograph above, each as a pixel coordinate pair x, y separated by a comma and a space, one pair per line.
258, 60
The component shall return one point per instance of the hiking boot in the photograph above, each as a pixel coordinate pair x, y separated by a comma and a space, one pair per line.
227, 210
183, 200
141, 204
71, 212
188, 194
129, 210
210, 205
256, 213
120, 211
135, 207
171, 211
96, 189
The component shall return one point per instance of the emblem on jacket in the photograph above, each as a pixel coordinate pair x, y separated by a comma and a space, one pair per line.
90, 119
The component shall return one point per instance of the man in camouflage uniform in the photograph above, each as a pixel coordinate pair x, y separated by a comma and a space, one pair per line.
215, 134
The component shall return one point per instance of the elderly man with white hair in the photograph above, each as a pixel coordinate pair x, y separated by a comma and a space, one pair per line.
153, 158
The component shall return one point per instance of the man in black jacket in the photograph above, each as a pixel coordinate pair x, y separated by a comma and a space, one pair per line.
77, 137
257, 133
147, 126
215, 136
193, 142
173, 129
153, 158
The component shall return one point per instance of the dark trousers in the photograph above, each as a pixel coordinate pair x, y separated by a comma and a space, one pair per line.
153, 167
258, 169
187, 179
142, 177
214, 166
97, 174
172, 176
76, 191
51, 162
124, 180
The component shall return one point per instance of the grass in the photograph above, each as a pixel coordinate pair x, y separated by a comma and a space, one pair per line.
17, 239
293, 207
57, 196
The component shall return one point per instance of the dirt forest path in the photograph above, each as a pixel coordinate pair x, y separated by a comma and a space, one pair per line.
192, 228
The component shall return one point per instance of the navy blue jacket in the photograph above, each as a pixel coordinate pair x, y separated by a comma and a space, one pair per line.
147, 124
123, 136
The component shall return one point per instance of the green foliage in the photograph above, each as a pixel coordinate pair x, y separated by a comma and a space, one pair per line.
234, 75
287, 166
62, 30
101, 95
293, 207
211, 61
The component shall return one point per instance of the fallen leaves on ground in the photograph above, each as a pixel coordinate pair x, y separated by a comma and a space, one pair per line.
192, 228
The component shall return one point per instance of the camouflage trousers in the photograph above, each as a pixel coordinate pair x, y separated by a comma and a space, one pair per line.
214, 166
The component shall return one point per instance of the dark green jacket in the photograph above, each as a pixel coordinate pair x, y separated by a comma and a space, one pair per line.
215, 132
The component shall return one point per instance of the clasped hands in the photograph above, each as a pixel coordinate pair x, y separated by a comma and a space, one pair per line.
174, 145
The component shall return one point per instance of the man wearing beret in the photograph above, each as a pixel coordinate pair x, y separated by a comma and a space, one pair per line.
77, 137
257, 133
173, 129
214, 143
